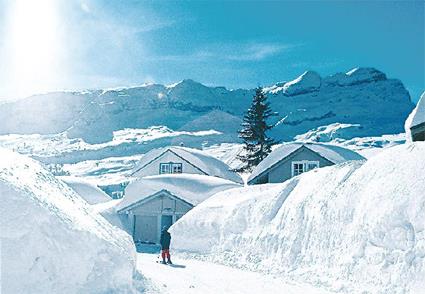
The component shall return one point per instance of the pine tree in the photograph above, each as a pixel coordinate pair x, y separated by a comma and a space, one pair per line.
254, 131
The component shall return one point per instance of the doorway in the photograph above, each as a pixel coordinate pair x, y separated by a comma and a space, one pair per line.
166, 221
145, 228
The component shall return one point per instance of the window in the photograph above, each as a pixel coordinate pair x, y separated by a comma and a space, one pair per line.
170, 168
177, 168
164, 168
312, 165
299, 167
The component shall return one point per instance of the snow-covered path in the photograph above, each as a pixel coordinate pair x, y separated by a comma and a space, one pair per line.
194, 276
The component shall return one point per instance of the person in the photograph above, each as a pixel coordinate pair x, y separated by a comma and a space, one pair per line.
165, 241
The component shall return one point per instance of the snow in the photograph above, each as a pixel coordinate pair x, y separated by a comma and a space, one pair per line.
110, 170
88, 191
416, 117
194, 276
192, 188
364, 74
223, 122
47, 146
370, 146
342, 135
355, 76
226, 152
332, 153
356, 227
363, 96
329, 132
109, 212
52, 242
208, 164
308, 82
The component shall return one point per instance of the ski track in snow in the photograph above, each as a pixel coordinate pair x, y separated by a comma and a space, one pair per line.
194, 276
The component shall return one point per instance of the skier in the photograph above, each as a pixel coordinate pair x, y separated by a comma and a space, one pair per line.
165, 245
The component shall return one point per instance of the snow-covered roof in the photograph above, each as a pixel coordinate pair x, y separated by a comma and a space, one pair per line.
333, 153
417, 116
191, 188
207, 164
87, 190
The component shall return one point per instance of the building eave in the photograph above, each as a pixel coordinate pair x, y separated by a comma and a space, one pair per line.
418, 127
150, 197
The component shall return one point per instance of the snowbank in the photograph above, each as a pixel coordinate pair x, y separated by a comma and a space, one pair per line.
109, 211
88, 191
52, 242
351, 227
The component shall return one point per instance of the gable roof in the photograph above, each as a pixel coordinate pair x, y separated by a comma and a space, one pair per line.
334, 154
191, 188
206, 164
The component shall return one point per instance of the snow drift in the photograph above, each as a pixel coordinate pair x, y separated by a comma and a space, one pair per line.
109, 211
351, 227
88, 191
52, 242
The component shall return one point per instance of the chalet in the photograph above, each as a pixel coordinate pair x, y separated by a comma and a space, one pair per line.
177, 160
168, 183
292, 159
415, 123
152, 202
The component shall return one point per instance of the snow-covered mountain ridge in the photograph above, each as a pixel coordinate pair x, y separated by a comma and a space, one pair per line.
363, 96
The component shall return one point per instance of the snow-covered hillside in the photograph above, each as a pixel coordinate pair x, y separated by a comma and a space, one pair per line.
59, 148
340, 134
357, 227
52, 241
362, 96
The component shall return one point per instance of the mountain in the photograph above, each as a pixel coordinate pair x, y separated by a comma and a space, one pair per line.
363, 96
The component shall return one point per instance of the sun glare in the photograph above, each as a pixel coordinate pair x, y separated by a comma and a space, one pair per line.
35, 44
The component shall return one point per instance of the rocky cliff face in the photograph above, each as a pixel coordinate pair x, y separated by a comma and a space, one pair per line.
362, 96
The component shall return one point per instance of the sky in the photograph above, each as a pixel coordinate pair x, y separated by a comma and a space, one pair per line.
48, 45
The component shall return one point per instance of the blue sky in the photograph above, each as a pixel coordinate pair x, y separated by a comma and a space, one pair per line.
97, 43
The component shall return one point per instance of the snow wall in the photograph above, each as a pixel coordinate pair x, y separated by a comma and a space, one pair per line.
52, 241
353, 227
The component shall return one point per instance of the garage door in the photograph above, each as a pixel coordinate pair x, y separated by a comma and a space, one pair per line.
145, 229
